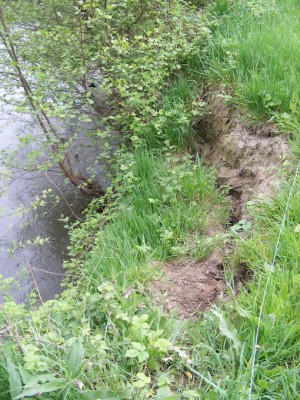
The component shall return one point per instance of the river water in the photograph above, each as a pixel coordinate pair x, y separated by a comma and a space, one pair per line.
33, 266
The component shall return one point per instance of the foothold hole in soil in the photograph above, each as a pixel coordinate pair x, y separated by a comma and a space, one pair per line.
243, 274
235, 194
190, 286
233, 220
236, 207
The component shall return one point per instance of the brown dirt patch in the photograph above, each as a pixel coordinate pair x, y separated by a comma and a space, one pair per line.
248, 158
249, 161
191, 286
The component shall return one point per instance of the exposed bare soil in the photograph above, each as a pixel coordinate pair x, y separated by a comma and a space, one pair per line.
191, 287
249, 161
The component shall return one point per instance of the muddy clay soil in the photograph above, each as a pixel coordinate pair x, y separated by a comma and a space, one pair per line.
250, 161
191, 287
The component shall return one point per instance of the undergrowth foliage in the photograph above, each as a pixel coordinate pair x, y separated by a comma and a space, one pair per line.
90, 68
104, 338
104, 333
255, 47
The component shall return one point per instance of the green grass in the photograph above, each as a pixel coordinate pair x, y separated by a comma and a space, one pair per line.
167, 206
278, 356
164, 205
168, 202
176, 114
255, 48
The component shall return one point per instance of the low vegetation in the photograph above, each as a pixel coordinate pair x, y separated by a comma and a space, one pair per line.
104, 338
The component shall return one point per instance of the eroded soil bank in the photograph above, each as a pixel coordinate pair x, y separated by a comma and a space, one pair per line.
250, 161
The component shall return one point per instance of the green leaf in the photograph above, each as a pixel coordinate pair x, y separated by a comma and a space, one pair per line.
14, 378
42, 378
74, 358
263, 384
138, 346
191, 394
163, 345
165, 393
132, 353
143, 356
25, 375
276, 371
103, 395
227, 329
297, 229
142, 381
40, 389
247, 314
297, 279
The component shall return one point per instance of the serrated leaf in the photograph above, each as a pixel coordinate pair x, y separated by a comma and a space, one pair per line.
74, 358
227, 329
40, 389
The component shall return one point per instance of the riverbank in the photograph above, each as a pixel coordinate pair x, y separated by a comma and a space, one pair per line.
124, 328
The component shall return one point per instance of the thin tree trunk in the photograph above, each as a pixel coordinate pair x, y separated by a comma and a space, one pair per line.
43, 120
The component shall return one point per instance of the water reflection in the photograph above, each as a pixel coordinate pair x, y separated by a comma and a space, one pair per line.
42, 222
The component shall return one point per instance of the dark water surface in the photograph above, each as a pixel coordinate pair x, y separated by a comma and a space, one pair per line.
22, 190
